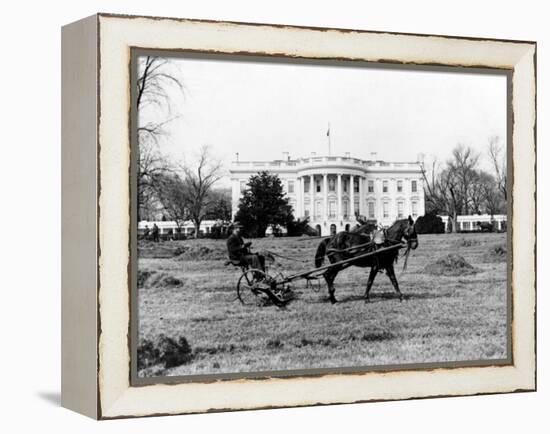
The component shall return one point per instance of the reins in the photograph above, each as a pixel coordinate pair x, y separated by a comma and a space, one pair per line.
288, 258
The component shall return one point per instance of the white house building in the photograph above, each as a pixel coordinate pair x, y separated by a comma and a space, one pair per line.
330, 190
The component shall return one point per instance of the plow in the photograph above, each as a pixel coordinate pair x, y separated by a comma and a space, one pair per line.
255, 285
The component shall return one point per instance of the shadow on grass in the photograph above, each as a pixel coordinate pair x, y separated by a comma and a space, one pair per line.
430, 295
374, 298
386, 296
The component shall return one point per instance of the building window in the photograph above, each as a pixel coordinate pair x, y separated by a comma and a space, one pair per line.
399, 186
356, 186
318, 209
243, 186
384, 186
291, 186
318, 186
332, 209
306, 186
413, 186
466, 226
400, 210
371, 210
345, 185
356, 205
331, 184
370, 186
414, 208
345, 205
386, 209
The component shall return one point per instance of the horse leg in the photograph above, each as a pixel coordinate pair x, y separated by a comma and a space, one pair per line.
391, 275
372, 275
329, 276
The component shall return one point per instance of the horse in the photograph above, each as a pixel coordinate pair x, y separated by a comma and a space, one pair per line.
337, 248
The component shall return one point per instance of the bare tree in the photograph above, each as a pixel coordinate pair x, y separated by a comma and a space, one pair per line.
430, 174
448, 189
498, 159
476, 193
492, 199
484, 194
171, 193
151, 167
440, 190
220, 205
199, 179
463, 164
157, 78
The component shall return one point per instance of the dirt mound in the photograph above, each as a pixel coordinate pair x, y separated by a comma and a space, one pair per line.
150, 279
165, 351
142, 277
450, 265
188, 251
496, 253
466, 242
202, 253
159, 250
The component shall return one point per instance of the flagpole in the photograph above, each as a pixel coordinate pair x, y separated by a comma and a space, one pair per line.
328, 135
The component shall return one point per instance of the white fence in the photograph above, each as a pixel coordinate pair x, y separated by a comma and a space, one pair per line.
469, 223
170, 227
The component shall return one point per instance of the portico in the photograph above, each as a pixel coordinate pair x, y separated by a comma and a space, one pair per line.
330, 198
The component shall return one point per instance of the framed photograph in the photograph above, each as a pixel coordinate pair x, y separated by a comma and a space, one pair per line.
262, 216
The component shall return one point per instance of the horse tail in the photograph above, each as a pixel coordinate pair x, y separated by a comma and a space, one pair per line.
321, 252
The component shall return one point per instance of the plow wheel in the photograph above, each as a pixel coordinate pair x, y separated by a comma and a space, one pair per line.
255, 287
248, 286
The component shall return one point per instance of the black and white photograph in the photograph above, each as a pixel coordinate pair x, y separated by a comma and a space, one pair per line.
293, 216
296, 217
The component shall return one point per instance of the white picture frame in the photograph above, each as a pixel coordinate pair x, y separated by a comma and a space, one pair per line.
96, 314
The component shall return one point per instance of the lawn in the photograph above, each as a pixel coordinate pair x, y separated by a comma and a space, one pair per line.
187, 291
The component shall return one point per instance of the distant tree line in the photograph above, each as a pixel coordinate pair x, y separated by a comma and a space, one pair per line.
462, 187
178, 192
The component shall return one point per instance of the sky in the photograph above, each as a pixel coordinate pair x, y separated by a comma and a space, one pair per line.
261, 109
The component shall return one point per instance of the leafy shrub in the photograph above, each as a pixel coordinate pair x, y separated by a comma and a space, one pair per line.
297, 227
430, 224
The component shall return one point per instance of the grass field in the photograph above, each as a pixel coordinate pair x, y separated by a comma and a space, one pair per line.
443, 318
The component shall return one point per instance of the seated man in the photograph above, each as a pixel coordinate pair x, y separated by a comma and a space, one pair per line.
239, 251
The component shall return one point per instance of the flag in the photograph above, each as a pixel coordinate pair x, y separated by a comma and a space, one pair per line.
328, 131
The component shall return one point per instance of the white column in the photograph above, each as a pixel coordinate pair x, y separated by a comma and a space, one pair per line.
298, 193
361, 196
339, 196
351, 199
325, 197
300, 197
311, 198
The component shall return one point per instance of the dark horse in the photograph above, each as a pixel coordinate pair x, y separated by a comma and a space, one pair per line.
337, 248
